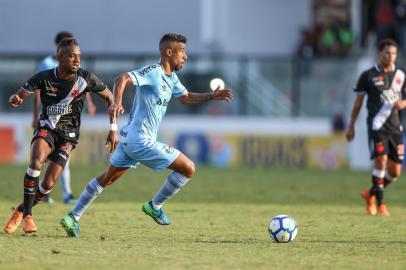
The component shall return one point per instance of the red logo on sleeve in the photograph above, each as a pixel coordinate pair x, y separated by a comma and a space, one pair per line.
42, 133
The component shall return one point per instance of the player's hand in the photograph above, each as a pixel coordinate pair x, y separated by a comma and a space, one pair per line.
112, 140
35, 120
115, 110
15, 101
400, 105
223, 94
349, 135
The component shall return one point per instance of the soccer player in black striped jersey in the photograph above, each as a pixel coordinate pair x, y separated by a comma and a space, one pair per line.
62, 90
384, 84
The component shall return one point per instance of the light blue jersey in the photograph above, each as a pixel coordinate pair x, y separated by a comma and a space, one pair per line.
138, 142
48, 63
153, 93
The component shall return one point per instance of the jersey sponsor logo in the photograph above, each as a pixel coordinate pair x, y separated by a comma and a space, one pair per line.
50, 89
42, 133
147, 69
59, 109
378, 80
163, 102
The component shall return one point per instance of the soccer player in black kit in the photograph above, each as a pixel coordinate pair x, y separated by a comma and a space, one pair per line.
63, 90
384, 84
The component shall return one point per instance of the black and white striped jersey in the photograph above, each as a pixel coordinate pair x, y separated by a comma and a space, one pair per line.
62, 100
383, 90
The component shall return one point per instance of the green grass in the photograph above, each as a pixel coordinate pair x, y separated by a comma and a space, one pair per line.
219, 222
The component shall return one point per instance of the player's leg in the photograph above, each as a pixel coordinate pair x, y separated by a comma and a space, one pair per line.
119, 164
396, 157
393, 167
66, 185
378, 175
45, 187
40, 149
93, 189
183, 169
378, 153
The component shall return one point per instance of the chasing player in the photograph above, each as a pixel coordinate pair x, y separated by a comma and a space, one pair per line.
50, 62
138, 143
62, 91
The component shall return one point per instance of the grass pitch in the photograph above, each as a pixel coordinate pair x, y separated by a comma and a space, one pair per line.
219, 222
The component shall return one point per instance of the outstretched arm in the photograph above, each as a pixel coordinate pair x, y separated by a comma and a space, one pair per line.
354, 114
118, 89
198, 98
16, 99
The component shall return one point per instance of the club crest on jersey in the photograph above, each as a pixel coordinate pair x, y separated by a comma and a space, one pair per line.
42, 133
164, 88
75, 93
168, 149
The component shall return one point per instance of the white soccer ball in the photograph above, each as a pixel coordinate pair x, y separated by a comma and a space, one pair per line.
282, 229
217, 83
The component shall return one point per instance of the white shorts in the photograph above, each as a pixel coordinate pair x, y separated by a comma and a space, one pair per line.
157, 156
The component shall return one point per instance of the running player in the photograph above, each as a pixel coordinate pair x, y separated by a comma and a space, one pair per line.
384, 84
62, 91
156, 83
50, 62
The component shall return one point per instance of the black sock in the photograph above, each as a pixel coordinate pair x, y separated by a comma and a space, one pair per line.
377, 189
30, 188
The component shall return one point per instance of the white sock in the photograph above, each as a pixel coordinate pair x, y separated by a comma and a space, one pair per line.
89, 194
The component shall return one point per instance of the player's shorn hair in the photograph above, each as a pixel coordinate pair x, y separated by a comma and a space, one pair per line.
386, 42
66, 43
61, 36
171, 37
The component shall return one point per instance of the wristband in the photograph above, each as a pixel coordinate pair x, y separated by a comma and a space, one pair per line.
113, 127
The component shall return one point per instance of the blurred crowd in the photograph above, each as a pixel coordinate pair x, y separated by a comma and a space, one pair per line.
330, 33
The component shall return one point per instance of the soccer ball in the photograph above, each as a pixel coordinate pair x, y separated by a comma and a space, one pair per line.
282, 229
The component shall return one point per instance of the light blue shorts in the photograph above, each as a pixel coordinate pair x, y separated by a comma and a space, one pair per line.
157, 156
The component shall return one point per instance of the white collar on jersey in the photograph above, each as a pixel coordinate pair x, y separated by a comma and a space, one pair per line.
379, 69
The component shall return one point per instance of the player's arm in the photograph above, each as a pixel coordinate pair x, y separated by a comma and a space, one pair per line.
118, 89
37, 106
91, 107
350, 133
16, 99
112, 137
198, 98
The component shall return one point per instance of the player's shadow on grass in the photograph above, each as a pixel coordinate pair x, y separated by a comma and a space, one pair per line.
229, 241
389, 242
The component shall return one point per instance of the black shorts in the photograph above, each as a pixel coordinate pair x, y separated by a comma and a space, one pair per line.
381, 143
61, 148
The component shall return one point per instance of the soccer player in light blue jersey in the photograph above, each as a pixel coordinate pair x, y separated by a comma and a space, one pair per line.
138, 143
51, 62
